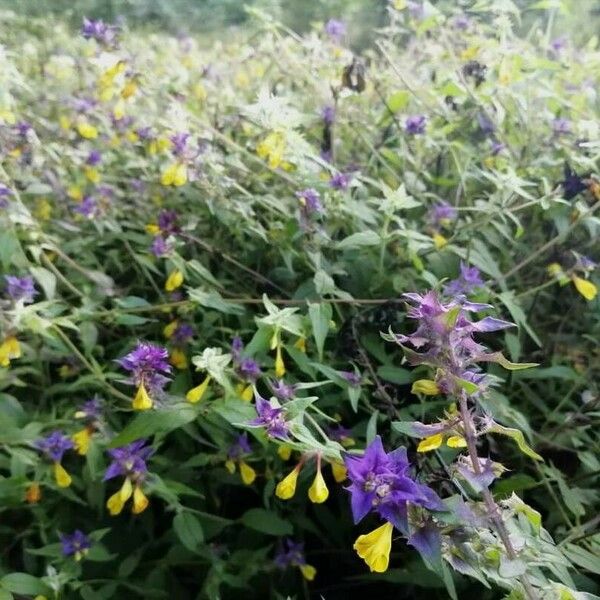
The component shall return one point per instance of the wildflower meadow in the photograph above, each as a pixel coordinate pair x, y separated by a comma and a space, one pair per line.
288, 316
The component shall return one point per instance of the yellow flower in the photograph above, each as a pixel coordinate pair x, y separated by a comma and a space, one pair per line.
427, 387
247, 473
75, 192
230, 466
169, 329
430, 443
195, 394
140, 501
318, 491
246, 392
456, 441
178, 359
439, 241
92, 174
33, 494
470, 53
339, 471
284, 452
87, 131
82, 440
116, 502
286, 488
200, 91
374, 548
43, 209
279, 364
399, 4
63, 479
308, 572
175, 174
129, 89
119, 110
174, 280
586, 288
272, 148
300, 344
9, 350
142, 400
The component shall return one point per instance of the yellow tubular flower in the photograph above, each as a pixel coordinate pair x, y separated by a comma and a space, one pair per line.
140, 501
82, 440
63, 479
174, 280
247, 393
247, 473
195, 394
374, 548
427, 387
87, 131
116, 502
9, 350
430, 443
586, 288
178, 359
169, 329
286, 488
284, 452
318, 492
230, 466
456, 441
33, 494
308, 572
175, 174
142, 400
300, 344
339, 472
279, 364
439, 241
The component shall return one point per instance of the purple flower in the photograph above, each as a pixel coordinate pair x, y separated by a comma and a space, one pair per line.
129, 461
167, 222
271, 418
381, 482
144, 133
54, 445
75, 544
290, 554
444, 336
310, 202
559, 44
88, 207
94, 158
283, 391
561, 126
573, 184
467, 281
486, 125
237, 346
23, 128
183, 333
148, 365
248, 369
335, 29
83, 105
351, 377
415, 125
416, 9
5, 193
161, 247
441, 215
328, 114
497, 147
90, 410
179, 141
461, 22
240, 447
20, 288
338, 433
98, 30
340, 181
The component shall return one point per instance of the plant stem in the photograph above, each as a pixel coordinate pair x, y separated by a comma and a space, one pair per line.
490, 503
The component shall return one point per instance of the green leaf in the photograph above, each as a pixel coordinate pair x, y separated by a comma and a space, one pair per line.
151, 422
583, 558
266, 521
359, 240
516, 312
320, 317
46, 279
22, 583
396, 375
5, 595
188, 530
518, 437
468, 386
398, 100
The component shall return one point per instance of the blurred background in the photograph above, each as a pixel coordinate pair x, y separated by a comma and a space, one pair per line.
577, 19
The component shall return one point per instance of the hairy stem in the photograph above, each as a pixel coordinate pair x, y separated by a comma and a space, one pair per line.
490, 503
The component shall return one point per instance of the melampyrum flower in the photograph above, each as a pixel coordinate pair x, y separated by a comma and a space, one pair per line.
128, 461
148, 366
235, 456
90, 412
54, 447
292, 554
75, 544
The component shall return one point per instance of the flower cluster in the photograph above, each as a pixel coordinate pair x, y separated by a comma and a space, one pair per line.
291, 554
54, 447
